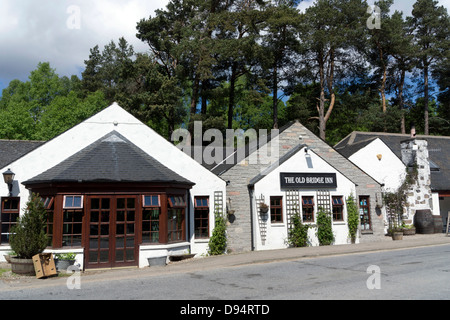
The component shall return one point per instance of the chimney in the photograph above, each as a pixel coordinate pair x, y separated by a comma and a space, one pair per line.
415, 155
413, 130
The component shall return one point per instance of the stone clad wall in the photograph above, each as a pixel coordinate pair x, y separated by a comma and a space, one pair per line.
415, 153
239, 229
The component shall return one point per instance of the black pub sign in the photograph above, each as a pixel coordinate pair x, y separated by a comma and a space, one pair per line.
307, 180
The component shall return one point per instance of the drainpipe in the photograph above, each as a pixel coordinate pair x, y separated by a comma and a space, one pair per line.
252, 227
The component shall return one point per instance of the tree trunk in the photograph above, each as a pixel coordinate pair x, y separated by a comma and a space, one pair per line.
400, 100
194, 99
231, 96
275, 96
383, 90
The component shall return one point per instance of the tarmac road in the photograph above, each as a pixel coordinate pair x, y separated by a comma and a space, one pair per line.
332, 272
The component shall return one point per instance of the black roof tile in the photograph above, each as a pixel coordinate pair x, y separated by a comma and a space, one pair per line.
11, 150
112, 158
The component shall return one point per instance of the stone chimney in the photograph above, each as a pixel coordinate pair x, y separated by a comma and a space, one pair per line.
415, 156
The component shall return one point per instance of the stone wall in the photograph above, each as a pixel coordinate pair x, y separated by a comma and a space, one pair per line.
415, 156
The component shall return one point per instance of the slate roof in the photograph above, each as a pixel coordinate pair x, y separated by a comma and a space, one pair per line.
11, 150
282, 160
438, 149
231, 157
112, 158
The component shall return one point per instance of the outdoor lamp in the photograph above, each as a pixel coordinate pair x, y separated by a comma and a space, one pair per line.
8, 176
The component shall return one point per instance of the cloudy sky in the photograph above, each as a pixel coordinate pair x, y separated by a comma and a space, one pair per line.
62, 31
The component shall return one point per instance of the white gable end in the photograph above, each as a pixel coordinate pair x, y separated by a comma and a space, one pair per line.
378, 161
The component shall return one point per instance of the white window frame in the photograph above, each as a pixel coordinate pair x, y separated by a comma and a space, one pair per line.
73, 207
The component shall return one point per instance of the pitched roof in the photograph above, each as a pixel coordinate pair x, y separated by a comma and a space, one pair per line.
11, 150
438, 149
112, 158
231, 157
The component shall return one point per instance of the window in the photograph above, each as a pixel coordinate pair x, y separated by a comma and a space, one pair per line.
72, 228
276, 209
177, 201
9, 215
150, 225
73, 202
308, 209
201, 217
49, 208
150, 218
364, 213
338, 208
151, 201
175, 217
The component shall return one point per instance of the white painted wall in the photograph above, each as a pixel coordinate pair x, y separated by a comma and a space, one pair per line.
115, 118
389, 171
276, 233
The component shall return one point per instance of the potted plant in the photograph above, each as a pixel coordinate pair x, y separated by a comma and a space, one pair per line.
64, 260
409, 230
9, 255
397, 234
28, 237
263, 208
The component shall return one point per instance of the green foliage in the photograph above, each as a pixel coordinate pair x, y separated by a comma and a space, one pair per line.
66, 256
45, 106
218, 241
254, 64
298, 235
324, 228
352, 217
397, 200
28, 236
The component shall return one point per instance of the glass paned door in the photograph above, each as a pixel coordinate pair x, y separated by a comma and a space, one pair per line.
99, 232
364, 213
125, 229
111, 239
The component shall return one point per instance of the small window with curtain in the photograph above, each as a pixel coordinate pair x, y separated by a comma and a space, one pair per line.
338, 208
276, 209
201, 217
308, 209
9, 215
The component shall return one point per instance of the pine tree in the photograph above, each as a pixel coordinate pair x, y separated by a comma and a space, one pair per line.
28, 236
431, 28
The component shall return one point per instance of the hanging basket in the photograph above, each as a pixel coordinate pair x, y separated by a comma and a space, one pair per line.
263, 208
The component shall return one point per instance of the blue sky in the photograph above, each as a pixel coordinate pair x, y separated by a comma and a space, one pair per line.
62, 31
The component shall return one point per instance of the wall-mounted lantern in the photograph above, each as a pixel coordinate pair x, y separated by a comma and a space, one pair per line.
8, 176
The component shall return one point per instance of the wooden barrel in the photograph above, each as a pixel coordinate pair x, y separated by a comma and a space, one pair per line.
438, 224
22, 266
424, 222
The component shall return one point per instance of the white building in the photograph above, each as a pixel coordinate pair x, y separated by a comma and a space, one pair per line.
293, 184
116, 193
382, 157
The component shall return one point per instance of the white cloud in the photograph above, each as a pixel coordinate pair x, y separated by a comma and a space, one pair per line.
36, 31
